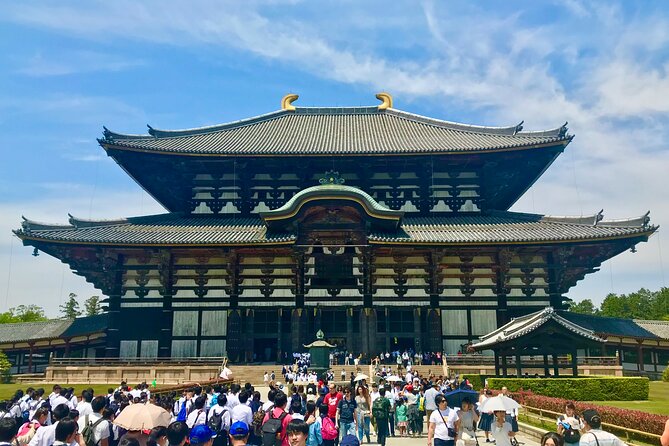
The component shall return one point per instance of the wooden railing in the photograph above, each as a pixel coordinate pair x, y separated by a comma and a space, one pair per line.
626, 433
111, 362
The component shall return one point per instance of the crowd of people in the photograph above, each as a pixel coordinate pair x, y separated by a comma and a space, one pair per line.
390, 357
317, 414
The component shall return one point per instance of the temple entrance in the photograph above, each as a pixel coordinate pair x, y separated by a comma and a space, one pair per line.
265, 350
401, 344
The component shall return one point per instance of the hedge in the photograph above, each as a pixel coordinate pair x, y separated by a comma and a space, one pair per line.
477, 381
631, 419
579, 389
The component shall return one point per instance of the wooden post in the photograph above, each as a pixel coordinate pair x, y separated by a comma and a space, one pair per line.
519, 366
574, 363
640, 357
556, 366
30, 357
546, 369
497, 368
504, 365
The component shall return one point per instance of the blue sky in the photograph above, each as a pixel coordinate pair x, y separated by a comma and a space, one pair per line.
68, 68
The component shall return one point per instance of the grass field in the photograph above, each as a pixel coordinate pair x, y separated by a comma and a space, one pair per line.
658, 401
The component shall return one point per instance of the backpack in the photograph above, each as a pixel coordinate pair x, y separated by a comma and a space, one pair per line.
570, 435
89, 430
378, 410
258, 418
183, 412
271, 429
328, 429
215, 421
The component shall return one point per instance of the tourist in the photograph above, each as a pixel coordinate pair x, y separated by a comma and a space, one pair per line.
66, 433
242, 411
501, 429
345, 414
157, 436
364, 404
381, 414
430, 395
201, 435
265, 378
401, 416
220, 412
444, 424
239, 434
487, 417
468, 419
177, 433
552, 439
413, 418
329, 431
99, 425
332, 400
84, 406
569, 425
198, 415
315, 425
295, 410
279, 412
593, 435
297, 432
28, 430
8, 430
46, 435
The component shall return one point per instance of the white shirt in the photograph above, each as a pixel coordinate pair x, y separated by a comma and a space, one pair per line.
58, 400
430, 395
501, 434
196, 417
374, 396
84, 409
233, 401
441, 429
266, 405
604, 438
46, 436
242, 412
225, 419
100, 432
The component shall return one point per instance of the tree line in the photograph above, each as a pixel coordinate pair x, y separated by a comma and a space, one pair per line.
69, 310
642, 304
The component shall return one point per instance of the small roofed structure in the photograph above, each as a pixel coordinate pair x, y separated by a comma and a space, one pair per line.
550, 333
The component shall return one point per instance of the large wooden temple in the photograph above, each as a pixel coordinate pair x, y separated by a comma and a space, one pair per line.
383, 228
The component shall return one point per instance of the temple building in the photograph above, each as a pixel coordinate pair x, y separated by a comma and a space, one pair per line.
383, 228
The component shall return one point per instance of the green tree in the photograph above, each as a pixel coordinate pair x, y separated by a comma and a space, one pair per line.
92, 306
70, 309
5, 367
583, 307
23, 313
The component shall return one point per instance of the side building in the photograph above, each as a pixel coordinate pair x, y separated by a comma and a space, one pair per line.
383, 228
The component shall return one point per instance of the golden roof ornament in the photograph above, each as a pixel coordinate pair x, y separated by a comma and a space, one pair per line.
387, 100
287, 101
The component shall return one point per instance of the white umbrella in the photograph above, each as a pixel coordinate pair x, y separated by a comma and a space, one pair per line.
393, 379
360, 377
499, 402
137, 417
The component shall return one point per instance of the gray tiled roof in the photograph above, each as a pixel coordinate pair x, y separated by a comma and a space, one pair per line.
160, 229
498, 227
524, 325
658, 328
351, 130
32, 331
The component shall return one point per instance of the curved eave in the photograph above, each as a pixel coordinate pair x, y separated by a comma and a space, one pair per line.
27, 239
336, 193
641, 236
111, 146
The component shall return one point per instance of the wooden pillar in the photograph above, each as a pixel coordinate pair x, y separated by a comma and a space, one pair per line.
519, 366
416, 330
279, 336
556, 366
167, 281
113, 288
497, 367
546, 369
66, 354
640, 356
249, 339
299, 256
574, 362
349, 330
30, 356
504, 364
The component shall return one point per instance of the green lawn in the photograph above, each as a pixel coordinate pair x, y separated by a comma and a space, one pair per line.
658, 401
8, 390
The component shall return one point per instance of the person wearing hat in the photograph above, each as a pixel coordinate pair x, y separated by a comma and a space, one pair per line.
444, 424
594, 435
201, 435
239, 433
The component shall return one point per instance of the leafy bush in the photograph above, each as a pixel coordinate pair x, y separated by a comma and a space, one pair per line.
579, 389
631, 419
665, 374
5, 366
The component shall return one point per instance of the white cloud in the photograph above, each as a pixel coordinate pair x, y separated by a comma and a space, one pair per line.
65, 63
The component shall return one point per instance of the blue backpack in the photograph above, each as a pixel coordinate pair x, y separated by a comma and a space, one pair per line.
183, 413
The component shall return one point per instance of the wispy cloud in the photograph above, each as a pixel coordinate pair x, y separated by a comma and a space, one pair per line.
65, 63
